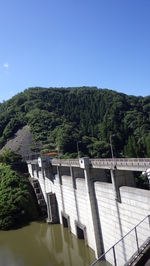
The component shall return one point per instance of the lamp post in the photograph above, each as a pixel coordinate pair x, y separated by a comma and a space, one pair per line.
78, 147
112, 154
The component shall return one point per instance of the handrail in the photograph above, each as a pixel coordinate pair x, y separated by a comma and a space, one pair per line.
113, 247
133, 164
136, 164
122, 161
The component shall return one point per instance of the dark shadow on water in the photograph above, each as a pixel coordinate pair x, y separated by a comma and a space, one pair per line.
41, 219
18, 226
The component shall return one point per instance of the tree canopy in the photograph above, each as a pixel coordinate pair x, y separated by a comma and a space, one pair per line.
17, 204
60, 117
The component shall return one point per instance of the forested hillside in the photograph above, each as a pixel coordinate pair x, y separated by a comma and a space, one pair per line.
18, 204
60, 117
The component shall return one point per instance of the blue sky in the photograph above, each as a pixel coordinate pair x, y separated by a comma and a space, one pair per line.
69, 43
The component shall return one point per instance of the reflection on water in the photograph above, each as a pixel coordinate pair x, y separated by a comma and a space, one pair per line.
7, 258
40, 244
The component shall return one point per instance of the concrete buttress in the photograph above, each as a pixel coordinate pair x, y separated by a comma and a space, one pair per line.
84, 163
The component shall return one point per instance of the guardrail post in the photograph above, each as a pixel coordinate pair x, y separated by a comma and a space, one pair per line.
115, 262
149, 220
137, 242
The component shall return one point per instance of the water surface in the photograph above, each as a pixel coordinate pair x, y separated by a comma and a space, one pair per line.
40, 244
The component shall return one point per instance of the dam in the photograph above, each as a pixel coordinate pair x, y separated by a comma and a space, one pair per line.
97, 200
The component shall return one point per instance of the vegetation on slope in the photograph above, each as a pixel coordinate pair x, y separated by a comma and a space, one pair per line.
9, 157
60, 117
17, 201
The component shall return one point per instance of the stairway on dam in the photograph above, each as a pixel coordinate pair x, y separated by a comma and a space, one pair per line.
39, 196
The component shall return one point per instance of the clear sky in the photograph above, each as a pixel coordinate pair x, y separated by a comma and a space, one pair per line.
69, 43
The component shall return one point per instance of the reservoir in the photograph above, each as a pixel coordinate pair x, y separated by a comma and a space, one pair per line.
41, 244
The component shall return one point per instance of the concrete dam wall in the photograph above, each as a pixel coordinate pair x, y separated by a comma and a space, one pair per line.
97, 205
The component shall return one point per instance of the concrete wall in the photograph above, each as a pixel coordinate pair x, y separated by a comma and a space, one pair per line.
74, 203
88, 201
118, 218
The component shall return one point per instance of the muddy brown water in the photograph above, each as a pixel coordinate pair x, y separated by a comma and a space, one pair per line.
40, 244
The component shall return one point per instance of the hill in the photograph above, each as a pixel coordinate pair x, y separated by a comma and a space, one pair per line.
21, 142
57, 118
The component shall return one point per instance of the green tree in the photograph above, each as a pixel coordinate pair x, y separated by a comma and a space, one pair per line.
9, 156
17, 204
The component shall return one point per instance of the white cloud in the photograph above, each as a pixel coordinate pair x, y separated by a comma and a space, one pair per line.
6, 65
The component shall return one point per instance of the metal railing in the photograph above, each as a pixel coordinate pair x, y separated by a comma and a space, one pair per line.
65, 162
128, 247
135, 164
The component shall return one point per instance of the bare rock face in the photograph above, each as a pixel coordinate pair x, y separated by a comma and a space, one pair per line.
21, 143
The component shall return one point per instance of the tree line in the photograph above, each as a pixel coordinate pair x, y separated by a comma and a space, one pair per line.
60, 117
18, 204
